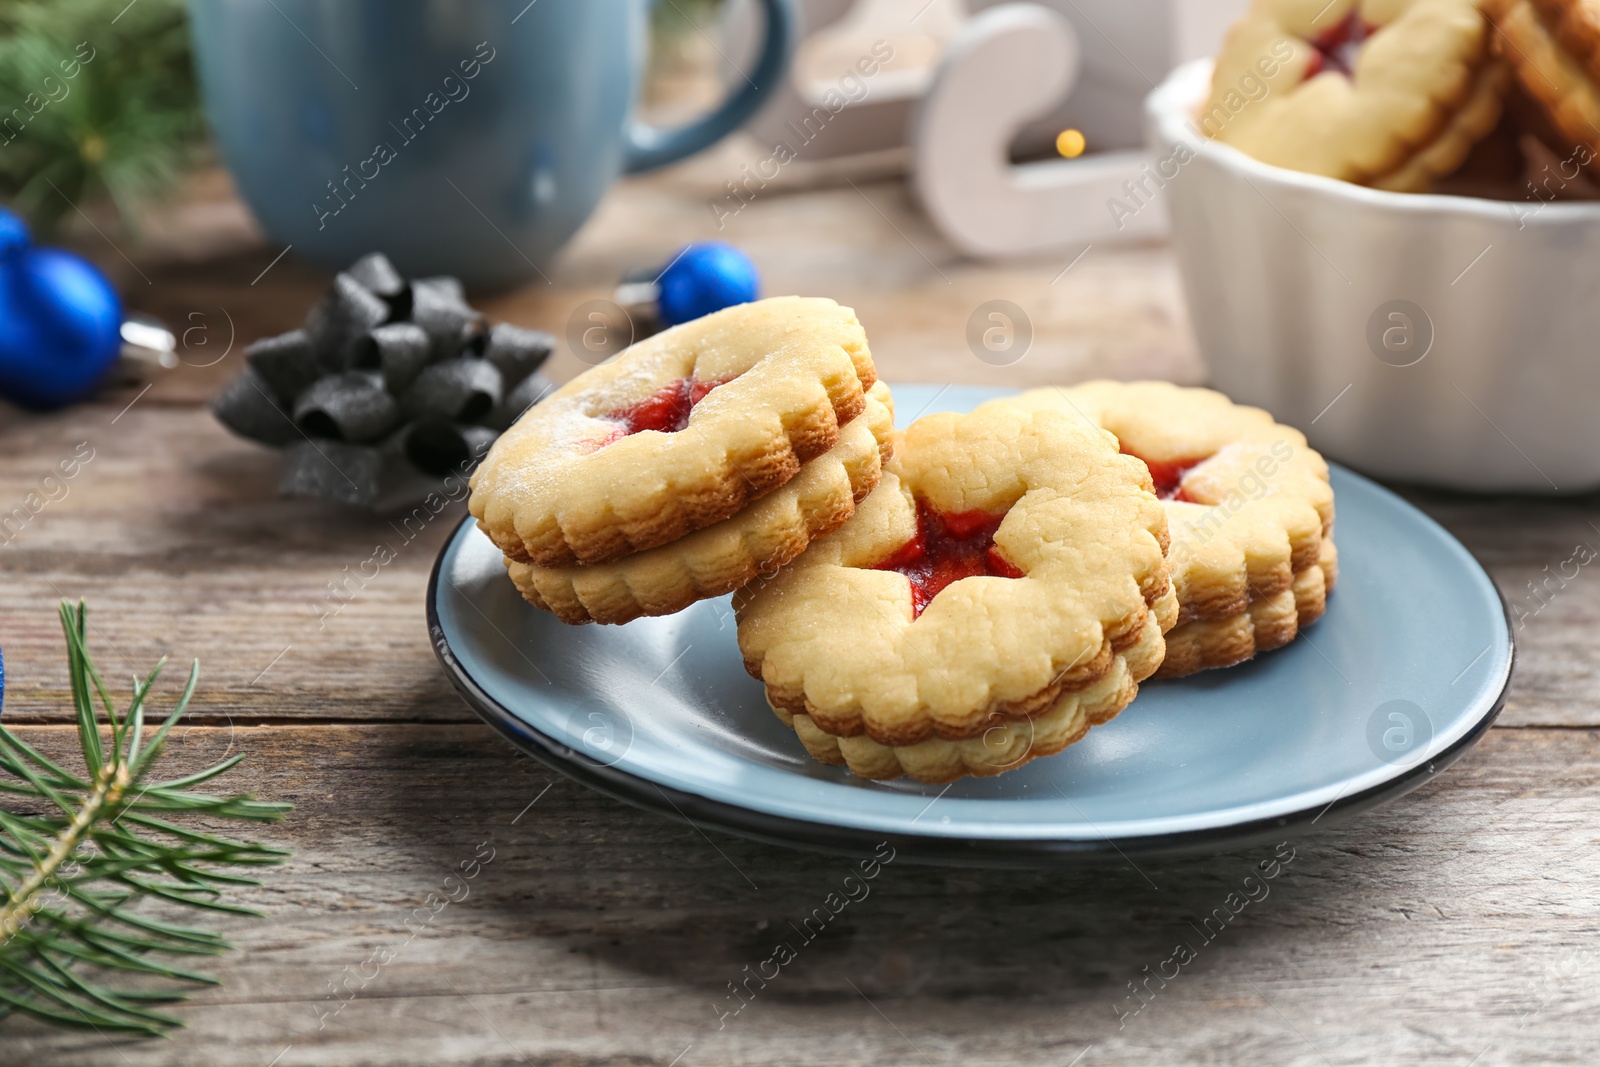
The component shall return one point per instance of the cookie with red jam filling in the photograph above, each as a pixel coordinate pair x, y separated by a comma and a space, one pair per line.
1387, 93
1249, 510
675, 434
1003, 589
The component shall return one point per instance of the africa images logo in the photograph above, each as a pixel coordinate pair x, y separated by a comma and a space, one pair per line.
411, 126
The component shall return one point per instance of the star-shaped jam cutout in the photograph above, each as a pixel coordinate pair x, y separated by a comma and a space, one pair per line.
1338, 46
1168, 474
949, 546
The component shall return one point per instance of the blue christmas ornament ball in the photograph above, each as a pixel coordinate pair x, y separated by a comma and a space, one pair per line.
13, 234
60, 322
706, 277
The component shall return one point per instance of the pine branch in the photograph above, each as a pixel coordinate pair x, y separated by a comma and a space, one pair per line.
101, 101
73, 873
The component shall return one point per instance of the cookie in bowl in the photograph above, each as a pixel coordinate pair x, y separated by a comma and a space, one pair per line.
675, 434
1387, 93
1003, 589
1553, 48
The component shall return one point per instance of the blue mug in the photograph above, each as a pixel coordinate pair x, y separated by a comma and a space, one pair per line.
464, 137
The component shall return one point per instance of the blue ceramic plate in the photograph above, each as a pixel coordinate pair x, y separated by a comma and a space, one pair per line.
1406, 670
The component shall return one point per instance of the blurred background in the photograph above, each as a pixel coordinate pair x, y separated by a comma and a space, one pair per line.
126, 153
120, 164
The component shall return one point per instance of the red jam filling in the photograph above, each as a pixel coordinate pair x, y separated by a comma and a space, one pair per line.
948, 547
667, 410
1168, 474
1337, 46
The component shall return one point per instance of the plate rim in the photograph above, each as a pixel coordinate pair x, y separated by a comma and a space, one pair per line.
815, 835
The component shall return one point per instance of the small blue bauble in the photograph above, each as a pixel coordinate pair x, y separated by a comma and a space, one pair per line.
13, 234
60, 322
706, 277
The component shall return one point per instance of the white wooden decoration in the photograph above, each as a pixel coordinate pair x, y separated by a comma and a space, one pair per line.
1010, 64
1129, 46
836, 36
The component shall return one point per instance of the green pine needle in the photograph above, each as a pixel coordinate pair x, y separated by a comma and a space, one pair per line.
73, 872
120, 126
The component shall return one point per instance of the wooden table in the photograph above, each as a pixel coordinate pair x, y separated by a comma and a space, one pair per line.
1456, 926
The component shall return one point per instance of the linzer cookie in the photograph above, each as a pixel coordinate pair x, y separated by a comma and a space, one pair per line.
723, 557
1388, 93
1553, 47
1003, 589
1268, 622
676, 434
1248, 505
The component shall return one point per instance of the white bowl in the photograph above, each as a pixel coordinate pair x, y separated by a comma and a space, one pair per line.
1292, 283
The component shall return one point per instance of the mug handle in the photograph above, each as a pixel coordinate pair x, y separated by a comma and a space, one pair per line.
649, 147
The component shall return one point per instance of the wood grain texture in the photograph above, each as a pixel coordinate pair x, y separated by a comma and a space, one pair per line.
1456, 923
176, 533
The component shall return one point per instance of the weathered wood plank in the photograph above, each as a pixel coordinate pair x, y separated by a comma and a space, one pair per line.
1117, 311
1457, 922
1453, 927
175, 532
